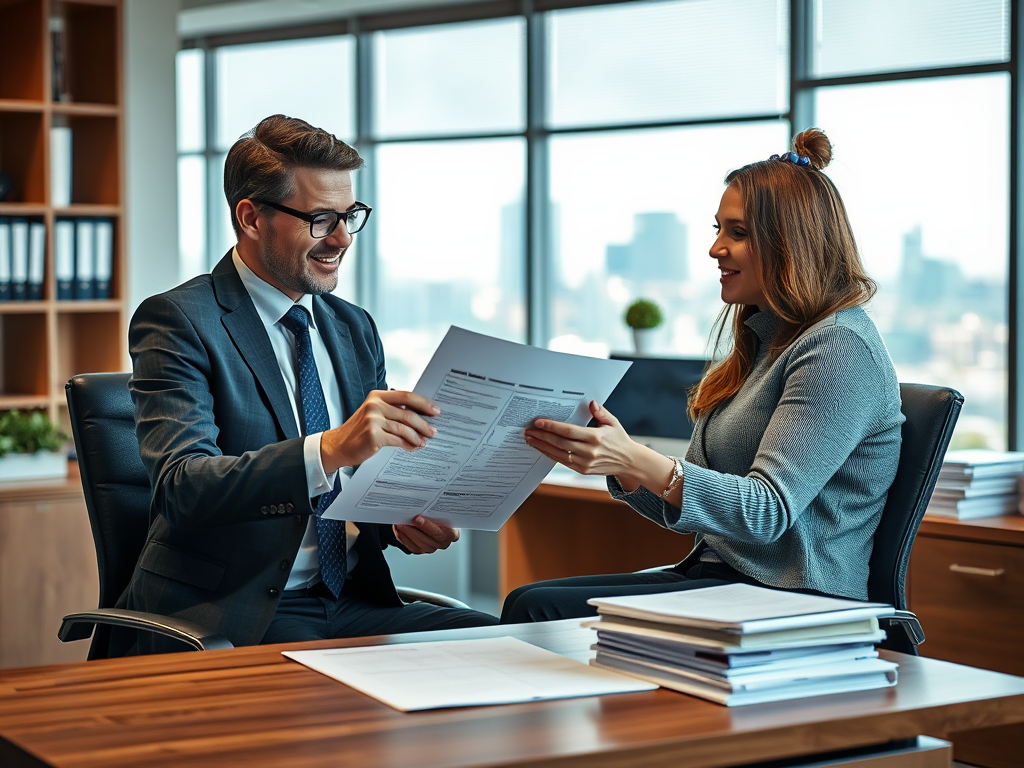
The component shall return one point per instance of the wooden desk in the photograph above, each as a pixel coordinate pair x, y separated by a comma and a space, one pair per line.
565, 530
251, 706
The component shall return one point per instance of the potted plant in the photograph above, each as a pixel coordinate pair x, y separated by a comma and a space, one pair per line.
31, 447
643, 316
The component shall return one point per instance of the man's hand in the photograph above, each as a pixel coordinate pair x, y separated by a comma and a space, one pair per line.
425, 536
385, 418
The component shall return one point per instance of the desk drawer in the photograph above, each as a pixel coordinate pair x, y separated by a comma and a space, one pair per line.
970, 599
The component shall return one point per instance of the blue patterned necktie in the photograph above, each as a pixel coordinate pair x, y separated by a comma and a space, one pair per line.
331, 533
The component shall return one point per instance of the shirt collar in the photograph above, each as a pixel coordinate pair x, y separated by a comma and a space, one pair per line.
764, 324
271, 304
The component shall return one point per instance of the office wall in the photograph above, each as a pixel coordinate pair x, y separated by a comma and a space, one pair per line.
151, 179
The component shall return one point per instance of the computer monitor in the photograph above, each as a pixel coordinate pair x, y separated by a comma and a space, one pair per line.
650, 401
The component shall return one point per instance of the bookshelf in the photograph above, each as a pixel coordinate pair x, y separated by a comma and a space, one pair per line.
43, 343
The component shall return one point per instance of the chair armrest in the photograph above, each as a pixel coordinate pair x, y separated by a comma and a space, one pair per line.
909, 623
79, 626
656, 568
410, 595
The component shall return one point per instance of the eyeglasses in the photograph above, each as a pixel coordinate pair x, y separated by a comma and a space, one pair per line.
323, 223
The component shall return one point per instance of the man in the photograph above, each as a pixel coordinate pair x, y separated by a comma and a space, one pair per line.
256, 392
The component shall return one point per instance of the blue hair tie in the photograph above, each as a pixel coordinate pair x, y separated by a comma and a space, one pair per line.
792, 157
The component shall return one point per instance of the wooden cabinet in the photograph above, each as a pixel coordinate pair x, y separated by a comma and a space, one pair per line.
580, 530
47, 570
967, 586
44, 342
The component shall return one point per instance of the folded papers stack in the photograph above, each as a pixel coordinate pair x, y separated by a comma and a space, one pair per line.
977, 483
741, 644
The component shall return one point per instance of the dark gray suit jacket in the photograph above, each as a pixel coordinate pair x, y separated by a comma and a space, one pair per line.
224, 456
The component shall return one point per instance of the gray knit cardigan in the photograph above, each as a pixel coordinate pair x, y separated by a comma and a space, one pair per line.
786, 480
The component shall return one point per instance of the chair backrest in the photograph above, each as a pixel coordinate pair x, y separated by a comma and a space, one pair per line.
114, 480
931, 415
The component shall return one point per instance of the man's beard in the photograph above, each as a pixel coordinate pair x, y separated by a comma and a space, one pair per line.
294, 275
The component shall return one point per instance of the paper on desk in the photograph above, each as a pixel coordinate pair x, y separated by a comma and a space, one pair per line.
741, 608
464, 673
477, 470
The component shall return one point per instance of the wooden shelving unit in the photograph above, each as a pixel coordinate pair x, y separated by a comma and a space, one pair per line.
44, 343
47, 559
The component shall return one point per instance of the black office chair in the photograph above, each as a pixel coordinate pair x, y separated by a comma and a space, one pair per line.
117, 496
931, 415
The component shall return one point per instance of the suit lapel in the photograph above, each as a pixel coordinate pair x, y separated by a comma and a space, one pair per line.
246, 330
338, 340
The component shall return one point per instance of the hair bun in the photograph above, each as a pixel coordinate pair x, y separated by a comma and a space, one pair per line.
814, 144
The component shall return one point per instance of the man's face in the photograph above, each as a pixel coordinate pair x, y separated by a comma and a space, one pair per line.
289, 257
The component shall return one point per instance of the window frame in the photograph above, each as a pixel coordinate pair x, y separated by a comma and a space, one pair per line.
803, 85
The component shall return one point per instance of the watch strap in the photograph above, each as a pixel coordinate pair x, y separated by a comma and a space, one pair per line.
677, 476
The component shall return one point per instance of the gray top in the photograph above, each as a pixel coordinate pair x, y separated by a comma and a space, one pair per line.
786, 480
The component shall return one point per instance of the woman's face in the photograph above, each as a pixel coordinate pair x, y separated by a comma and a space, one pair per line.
740, 282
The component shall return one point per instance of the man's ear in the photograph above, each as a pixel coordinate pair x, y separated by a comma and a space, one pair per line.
248, 217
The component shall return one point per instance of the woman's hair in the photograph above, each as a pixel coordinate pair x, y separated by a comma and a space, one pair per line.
802, 249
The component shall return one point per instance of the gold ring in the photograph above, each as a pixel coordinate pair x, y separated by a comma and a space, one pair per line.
570, 457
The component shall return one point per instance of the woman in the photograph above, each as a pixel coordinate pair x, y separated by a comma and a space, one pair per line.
797, 431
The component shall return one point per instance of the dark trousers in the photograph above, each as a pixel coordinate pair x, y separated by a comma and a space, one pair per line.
567, 598
314, 614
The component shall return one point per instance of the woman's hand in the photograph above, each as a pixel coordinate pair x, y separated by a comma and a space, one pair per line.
602, 450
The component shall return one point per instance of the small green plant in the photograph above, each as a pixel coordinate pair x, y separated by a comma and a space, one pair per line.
29, 432
643, 313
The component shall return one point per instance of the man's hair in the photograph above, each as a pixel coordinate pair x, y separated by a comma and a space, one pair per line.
259, 165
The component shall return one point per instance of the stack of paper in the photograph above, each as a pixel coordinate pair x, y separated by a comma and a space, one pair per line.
977, 483
741, 644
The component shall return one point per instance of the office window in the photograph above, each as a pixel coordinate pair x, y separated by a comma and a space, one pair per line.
663, 61
932, 227
645, 106
192, 215
311, 79
190, 67
450, 246
191, 107
858, 36
251, 82
631, 217
450, 79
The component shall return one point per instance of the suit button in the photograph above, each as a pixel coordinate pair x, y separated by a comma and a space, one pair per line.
274, 592
284, 565
288, 507
298, 519
264, 510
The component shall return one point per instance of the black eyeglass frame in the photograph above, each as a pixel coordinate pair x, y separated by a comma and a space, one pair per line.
311, 218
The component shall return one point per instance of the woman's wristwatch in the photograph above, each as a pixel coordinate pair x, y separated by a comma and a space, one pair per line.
677, 476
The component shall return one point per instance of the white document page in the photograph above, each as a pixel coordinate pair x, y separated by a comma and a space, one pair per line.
477, 470
609, 625
741, 608
464, 673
